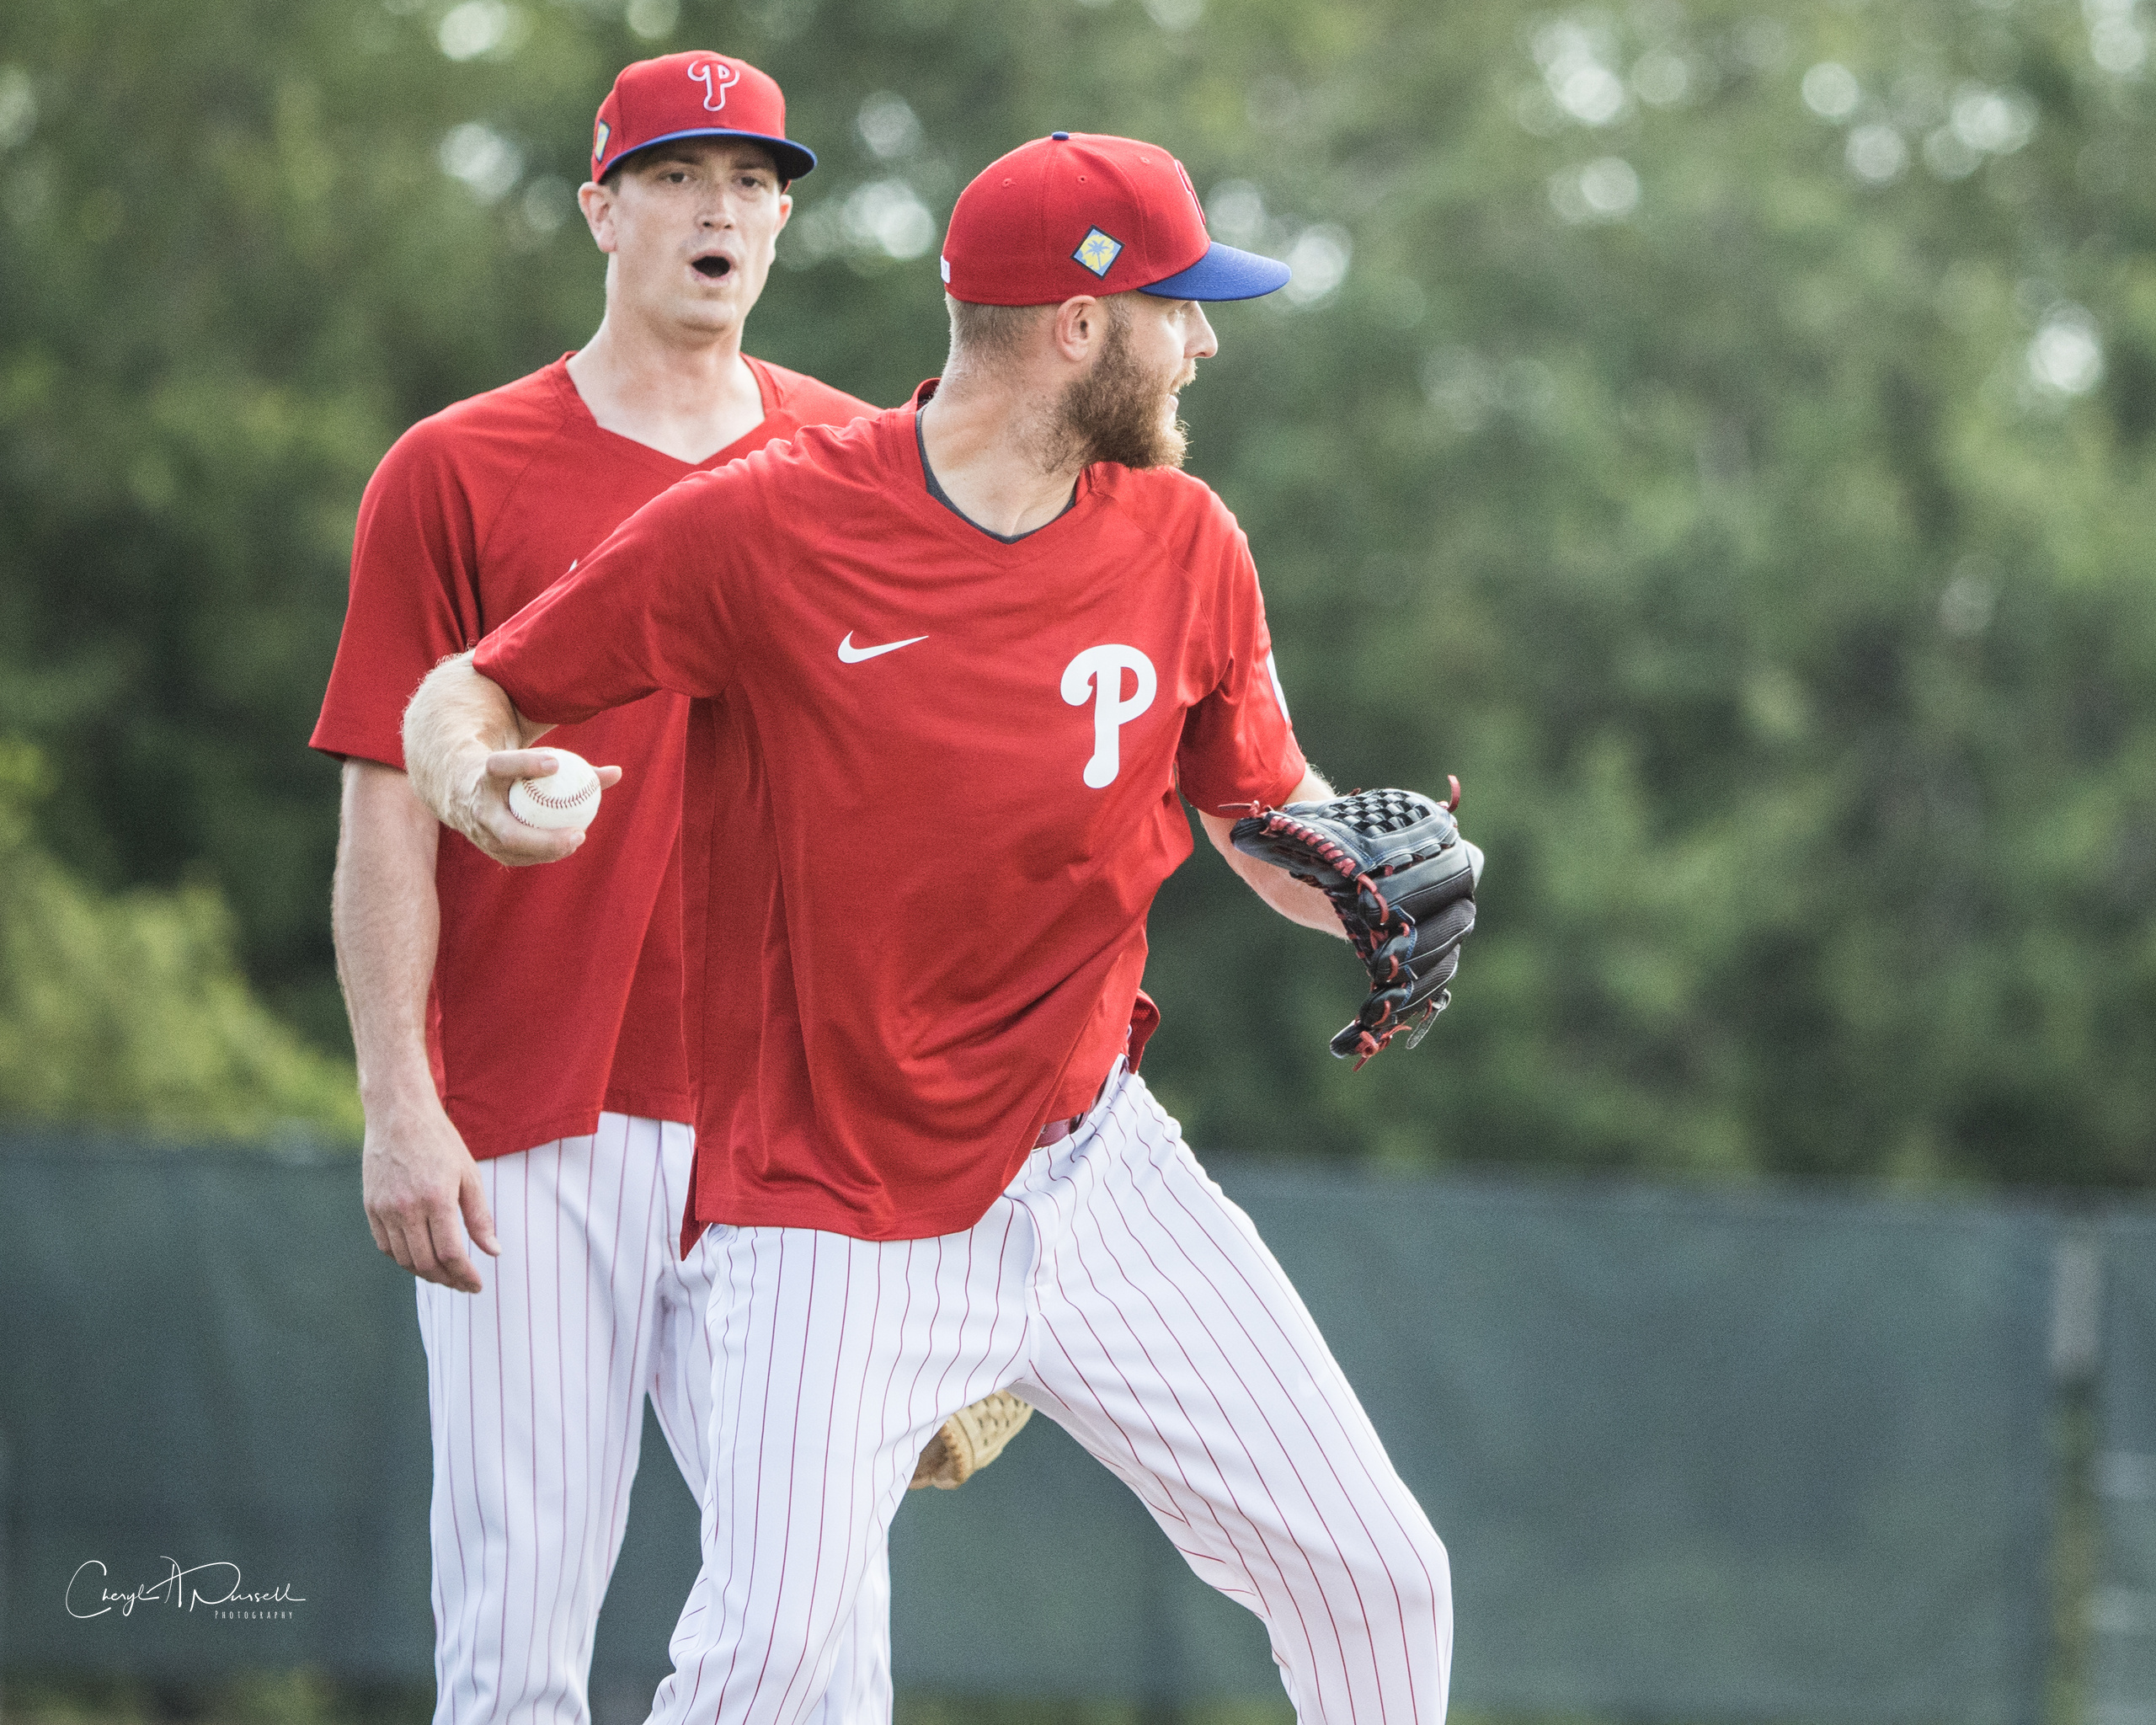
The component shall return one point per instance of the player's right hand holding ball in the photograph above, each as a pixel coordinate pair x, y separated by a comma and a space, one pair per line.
533, 805
449, 723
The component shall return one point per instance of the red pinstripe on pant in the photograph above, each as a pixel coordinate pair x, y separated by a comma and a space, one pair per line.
537, 1388
1114, 1286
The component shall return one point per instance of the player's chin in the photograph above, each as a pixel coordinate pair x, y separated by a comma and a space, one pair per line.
1171, 441
708, 310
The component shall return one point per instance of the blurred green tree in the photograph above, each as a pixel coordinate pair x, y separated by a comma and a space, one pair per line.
131, 1011
1720, 433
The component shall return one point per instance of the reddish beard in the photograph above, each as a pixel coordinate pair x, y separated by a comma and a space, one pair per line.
1117, 411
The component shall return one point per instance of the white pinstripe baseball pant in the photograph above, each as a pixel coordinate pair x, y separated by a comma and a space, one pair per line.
1114, 1287
536, 1389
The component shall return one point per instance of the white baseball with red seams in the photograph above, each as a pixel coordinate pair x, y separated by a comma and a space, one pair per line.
565, 799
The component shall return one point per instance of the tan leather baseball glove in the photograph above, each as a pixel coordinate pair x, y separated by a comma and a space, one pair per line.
969, 1441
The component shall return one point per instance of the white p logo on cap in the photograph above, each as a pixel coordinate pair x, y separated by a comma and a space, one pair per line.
717, 78
1096, 675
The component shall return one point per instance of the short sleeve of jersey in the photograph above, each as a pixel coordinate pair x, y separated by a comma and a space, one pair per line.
1238, 744
414, 598
656, 606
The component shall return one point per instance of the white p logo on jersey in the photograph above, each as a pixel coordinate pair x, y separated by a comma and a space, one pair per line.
1097, 674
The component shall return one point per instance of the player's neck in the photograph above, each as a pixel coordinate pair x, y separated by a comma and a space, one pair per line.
686, 399
991, 446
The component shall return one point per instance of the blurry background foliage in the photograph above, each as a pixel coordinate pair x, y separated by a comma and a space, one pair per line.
1720, 433
119, 1010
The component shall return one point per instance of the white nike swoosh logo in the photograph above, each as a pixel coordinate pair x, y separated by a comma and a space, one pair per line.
851, 654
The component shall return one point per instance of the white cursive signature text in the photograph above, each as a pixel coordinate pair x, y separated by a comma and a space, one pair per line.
174, 1588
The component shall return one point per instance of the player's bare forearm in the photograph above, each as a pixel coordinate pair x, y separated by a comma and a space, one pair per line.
455, 723
1296, 899
386, 921
464, 745
416, 1175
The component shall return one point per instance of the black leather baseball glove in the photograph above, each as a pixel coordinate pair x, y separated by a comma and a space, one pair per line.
1403, 881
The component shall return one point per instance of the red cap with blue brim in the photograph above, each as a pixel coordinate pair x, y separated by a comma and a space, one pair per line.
694, 95
1080, 213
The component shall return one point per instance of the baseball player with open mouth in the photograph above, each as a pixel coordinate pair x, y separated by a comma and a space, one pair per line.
984, 643
519, 1037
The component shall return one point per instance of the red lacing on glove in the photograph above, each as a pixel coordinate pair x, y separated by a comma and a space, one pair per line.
1384, 944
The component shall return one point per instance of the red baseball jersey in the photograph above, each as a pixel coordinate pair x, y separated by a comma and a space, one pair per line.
952, 799
556, 991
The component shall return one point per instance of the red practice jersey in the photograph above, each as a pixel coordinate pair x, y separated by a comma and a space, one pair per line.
959, 798
556, 991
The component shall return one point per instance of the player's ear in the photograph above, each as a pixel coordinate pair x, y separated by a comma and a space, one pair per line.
785, 211
597, 203
1078, 328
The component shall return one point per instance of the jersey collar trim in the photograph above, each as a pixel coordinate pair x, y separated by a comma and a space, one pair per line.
771, 396
925, 496
937, 491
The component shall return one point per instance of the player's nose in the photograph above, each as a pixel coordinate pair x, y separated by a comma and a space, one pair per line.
1201, 343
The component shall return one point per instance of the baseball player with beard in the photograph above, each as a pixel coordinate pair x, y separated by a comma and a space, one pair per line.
981, 643
520, 1035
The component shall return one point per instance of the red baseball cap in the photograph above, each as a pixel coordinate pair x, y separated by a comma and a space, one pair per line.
1076, 213
694, 95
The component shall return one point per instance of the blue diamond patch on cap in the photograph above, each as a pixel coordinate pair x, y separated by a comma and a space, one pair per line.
1097, 251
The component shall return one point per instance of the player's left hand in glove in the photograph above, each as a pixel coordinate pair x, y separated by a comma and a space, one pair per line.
1402, 880
968, 1440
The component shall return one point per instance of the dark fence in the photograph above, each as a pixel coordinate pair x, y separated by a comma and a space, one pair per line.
1705, 1455
2122, 1611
